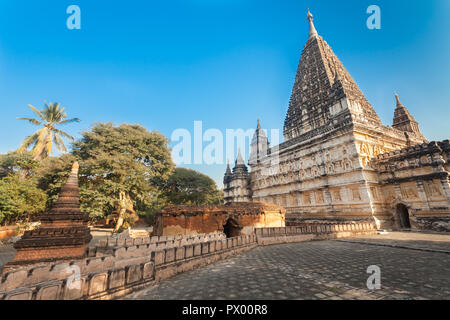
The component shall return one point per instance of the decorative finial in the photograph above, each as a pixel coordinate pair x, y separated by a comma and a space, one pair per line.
312, 30
239, 159
228, 171
259, 125
397, 99
75, 167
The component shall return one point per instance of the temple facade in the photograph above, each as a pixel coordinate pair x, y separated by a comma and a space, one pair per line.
339, 162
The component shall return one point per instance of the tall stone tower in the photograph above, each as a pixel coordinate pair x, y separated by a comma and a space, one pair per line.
259, 145
322, 170
237, 183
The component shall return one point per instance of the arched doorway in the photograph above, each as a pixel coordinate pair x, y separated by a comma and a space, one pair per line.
231, 228
403, 216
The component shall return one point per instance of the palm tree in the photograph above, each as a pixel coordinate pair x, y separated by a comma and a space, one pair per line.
43, 139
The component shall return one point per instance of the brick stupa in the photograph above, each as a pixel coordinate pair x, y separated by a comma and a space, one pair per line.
63, 234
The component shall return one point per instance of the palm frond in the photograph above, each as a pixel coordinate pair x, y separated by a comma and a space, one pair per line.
39, 113
69, 121
32, 121
64, 134
60, 143
28, 141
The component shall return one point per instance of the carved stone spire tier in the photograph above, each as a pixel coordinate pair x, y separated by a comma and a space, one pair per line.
322, 90
239, 160
63, 234
403, 120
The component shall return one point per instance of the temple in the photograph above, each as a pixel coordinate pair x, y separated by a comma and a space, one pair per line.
63, 234
338, 162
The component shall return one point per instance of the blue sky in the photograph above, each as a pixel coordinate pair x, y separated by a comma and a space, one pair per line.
166, 64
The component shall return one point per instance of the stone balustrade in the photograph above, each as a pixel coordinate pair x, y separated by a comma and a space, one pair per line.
313, 231
117, 242
107, 246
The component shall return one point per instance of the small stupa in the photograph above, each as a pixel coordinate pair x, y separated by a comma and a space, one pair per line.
63, 233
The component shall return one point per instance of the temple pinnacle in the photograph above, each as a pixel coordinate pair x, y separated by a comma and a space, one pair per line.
312, 30
239, 160
75, 167
398, 100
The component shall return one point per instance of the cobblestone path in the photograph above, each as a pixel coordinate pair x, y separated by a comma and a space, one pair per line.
334, 270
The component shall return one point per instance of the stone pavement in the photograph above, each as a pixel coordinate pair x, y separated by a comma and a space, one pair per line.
334, 270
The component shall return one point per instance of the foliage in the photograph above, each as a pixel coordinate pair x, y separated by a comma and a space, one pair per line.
19, 199
186, 186
43, 139
125, 171
122, 160
14, 163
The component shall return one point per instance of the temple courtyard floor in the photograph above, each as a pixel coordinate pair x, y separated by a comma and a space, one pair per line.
412, 266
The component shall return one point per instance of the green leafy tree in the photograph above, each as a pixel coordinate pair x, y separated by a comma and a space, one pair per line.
20, 199
15, 163
42, 140
121, 169
186, 186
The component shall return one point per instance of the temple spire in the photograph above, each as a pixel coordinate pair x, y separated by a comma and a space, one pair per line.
404, 121
240, 160
397, 99
312, 30
228, 172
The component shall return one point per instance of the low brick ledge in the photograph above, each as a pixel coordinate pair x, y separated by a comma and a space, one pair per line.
312, 232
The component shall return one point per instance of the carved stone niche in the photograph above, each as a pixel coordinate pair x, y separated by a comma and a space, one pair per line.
336, 195
432, 189
356, 195
409, 191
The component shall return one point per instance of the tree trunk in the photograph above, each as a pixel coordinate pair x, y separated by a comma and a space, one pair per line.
122, 210
125, 204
